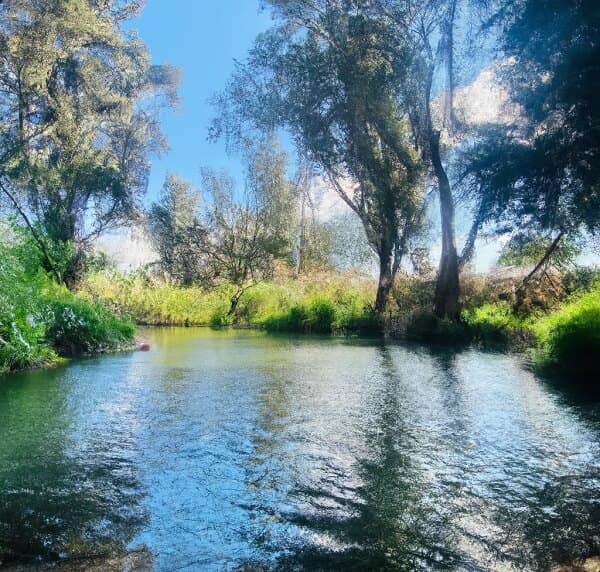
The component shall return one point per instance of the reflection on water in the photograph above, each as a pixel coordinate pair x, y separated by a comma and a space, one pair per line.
237, 450
68, 481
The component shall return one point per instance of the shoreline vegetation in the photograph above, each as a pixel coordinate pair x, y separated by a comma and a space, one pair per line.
42, 323
562, 333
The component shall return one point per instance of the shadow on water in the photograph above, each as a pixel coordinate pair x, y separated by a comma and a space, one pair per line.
552, 520
375, 517
245, 451
64, 495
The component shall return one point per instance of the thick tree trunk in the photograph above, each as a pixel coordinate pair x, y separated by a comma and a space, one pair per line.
385, 282
447, 289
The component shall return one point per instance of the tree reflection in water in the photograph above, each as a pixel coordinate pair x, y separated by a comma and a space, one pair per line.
63, 497
372, 514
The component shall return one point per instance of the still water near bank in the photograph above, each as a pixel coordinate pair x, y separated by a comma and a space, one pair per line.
228, 450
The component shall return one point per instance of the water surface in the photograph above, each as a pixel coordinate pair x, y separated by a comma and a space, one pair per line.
238, 450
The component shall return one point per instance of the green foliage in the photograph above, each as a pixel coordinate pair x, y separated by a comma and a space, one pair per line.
541, 171
494, 324
329, 78
569, 339
139, 299
566, 339
523, 249
175, 231
80, 101
40, 320
22, 327
77, 326
316, 304
580, 279
413, 294
315, 314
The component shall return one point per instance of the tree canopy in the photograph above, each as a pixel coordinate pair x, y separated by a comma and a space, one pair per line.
324, 74
79, 97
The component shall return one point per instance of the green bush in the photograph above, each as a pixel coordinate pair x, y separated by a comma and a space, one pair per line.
569, 339
40, 320
77, 327
494, 324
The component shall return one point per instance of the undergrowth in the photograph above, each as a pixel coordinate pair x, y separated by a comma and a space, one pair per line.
41, 321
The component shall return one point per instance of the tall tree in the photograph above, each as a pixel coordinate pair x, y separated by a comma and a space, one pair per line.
425, 31
324, 73
79, 98
540, 172
176, 232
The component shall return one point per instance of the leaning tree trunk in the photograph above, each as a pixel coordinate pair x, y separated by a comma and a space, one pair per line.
520, 293
447, 289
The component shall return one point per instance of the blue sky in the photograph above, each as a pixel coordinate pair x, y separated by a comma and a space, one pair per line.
201, 38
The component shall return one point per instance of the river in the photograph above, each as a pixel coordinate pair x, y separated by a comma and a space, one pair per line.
237, 450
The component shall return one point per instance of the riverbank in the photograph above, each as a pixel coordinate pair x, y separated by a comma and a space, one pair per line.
42, 323
562, 334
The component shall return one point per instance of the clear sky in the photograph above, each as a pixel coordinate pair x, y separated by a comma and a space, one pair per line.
202, 38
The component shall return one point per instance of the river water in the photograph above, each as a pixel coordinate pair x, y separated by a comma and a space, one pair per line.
243, 451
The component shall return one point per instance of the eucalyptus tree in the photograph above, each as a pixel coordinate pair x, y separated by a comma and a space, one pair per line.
427, 38
540, 173
324, 73
175, 230
79, 101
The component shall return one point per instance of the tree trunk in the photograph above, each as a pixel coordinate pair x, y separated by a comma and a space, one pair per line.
301, 244
520, 293
385, 282
447, 289
234, 302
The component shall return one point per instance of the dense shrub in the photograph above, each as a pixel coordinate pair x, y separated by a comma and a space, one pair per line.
77, 326
569, 339
495, 324
566, 338
40, 320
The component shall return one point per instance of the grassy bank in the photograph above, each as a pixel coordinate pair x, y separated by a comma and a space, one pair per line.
41, 322
319, 304
565, 339
563, 334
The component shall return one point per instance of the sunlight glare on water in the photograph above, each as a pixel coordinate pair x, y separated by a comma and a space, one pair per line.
239, 450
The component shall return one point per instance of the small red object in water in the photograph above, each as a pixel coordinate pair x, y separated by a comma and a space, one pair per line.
143, 346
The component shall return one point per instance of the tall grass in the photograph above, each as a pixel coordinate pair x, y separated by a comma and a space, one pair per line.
569, 339
316, 304
143, 301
